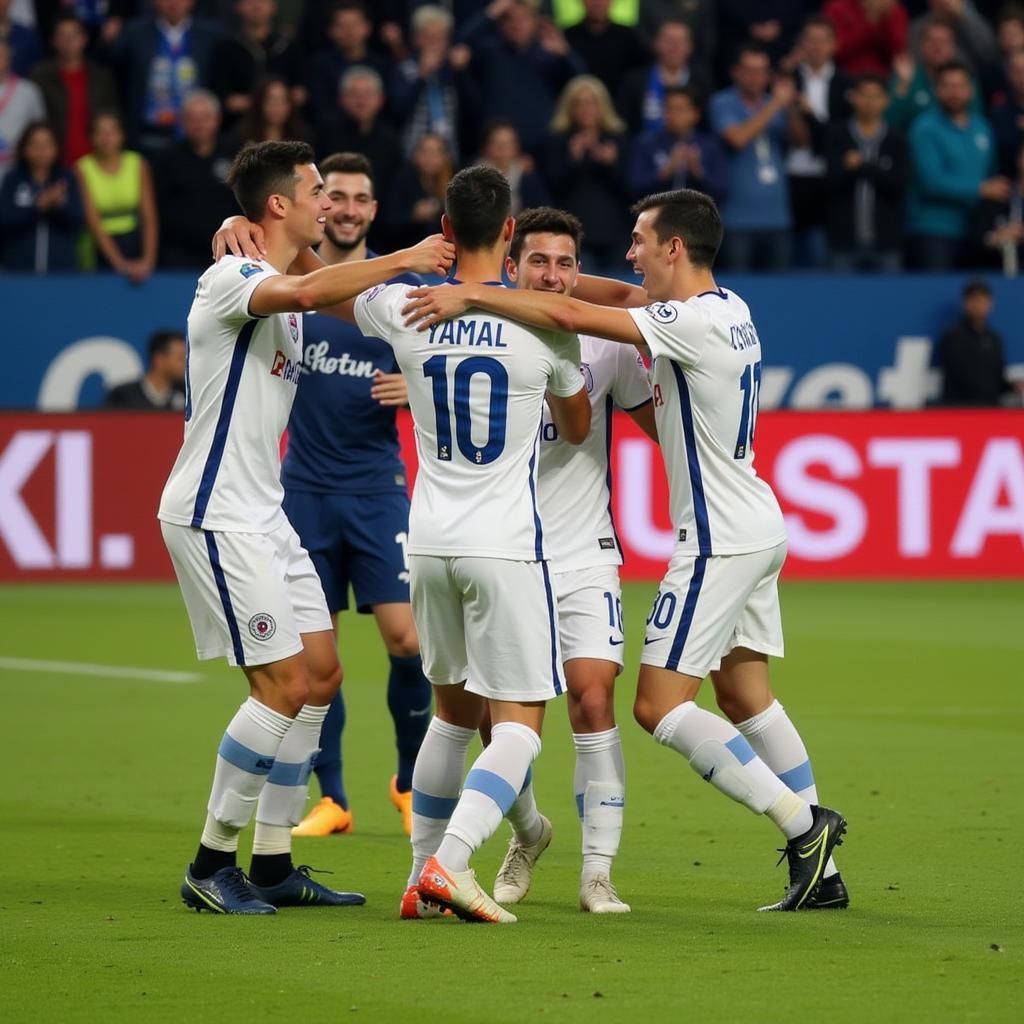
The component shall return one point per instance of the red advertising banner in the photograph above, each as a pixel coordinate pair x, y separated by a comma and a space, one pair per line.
866, 494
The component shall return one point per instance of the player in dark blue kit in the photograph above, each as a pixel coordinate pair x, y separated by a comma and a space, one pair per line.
346, 495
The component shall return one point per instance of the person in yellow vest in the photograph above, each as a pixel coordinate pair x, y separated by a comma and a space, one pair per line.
120, 206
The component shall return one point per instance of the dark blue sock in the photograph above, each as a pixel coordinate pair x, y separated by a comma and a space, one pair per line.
409, 703
328, 762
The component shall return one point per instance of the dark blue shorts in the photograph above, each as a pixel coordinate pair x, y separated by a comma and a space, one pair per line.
355, 540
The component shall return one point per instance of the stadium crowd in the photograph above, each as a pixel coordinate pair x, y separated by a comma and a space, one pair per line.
849, 134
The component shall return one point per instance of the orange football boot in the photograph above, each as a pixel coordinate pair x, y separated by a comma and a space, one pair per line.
325, 818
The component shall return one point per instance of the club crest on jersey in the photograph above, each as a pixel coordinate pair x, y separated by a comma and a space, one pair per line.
293, 326
663, 312
588, 377
248, 269
262, 626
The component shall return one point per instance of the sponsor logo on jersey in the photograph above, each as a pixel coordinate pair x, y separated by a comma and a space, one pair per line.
262, 626
285, 367
248, 269
606, 543
663, 312
588, 377
293, 326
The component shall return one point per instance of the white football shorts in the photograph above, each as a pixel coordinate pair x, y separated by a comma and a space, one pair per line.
590, 613
249, 596
490, 622
708, 605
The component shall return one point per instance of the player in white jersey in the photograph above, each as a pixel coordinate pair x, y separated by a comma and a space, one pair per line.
575, 505
250, 589
717, 610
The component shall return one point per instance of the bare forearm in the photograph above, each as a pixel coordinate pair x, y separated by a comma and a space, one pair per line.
328, 286
739, 136
607, 291
306, 262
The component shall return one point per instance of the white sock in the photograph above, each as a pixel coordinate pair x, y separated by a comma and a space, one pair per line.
283, 798
244, 760
776, 741
600, 786
490, 789
523, 815
436, 780
721, 756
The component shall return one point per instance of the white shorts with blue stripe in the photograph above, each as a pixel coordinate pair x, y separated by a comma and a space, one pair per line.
488, 622
709, 604
249, 596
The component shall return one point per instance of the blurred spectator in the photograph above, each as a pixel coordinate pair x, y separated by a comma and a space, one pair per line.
1009, 39
867, 171
40, 207
520, 62
1008, 115
163, 56
417, 193
429, 88
971, 355
120, 207
73, 87
191, 195
822, 93
953, 164
500, 148
975, 40
678, 156
348, 32
163, 386
272, 115
21, 103
585, 165
26, 46
255, 50
700, 18
771, 24
607, 48
755, 125
643, 90
358, 127
1000, 226
913, 85
869, 34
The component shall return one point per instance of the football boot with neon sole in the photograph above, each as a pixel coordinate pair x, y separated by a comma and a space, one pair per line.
459, 892
226, 891
403, 804
829, 894
515, 876
324, 819
807, 856
598, 896
299, 890
412, 908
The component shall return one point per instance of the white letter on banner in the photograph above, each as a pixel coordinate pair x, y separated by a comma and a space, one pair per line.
113, 359
792, 480
18, 529
914, 458
73, 494
634, 491
1001, 466
911, 380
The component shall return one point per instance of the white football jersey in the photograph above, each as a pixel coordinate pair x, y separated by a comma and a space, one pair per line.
242, 372
575, 480
707, 374
476, 390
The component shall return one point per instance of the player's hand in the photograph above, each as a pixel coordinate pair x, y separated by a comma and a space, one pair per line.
389, 389
434, 255
429, 306
240, 237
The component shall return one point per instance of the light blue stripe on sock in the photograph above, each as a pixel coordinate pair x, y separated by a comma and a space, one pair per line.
741, 749
286, 773
527, 780
798, 778
491, 785
442, 807
242, 757
579, 805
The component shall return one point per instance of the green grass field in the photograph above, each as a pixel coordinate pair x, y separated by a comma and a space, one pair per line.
910, 699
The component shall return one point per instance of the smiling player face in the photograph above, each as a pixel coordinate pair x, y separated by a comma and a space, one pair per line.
547, 263
307, 213
649, 258
353, 209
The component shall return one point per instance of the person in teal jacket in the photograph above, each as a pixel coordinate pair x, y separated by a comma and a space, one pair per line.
953, 161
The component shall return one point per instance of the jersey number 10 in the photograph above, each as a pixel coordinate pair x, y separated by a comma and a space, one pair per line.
436, 370
750, 385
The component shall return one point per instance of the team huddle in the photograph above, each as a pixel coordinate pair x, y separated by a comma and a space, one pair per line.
503, 592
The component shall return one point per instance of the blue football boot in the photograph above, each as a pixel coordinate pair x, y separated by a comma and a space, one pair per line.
299, 890
226, 891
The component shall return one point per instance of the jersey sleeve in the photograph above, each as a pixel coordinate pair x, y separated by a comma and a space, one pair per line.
676, 330
631, 387
232, 286
565, 379
376, 310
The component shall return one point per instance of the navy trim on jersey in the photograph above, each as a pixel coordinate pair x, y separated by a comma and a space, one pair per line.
556, 676
686, 619
633, 408
700, 507
225, 597
720, 293
538, 543
609, 406
220, 433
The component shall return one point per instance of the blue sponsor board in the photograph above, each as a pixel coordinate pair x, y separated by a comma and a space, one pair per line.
828, 340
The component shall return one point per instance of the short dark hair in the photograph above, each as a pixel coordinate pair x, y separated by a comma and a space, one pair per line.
976, 287
690, 215
818, 21
1010, 12
263, 169
548, 220
161, 341
346, 163
951, 66
26, 137
691, 92
63, 17
478, 201
348, 5
871, 76
750, 47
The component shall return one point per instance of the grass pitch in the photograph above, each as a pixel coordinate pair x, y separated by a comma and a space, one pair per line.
909, 697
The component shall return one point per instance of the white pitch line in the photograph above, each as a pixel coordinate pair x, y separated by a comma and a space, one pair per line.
82, 668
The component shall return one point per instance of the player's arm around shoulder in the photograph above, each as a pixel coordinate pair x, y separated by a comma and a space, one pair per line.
567, 396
